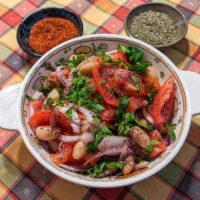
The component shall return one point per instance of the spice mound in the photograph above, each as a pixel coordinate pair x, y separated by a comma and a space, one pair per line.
49, 32
155, 28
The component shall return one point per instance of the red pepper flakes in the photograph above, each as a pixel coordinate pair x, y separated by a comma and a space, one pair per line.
49, 32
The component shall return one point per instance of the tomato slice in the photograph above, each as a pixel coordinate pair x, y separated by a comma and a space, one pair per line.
155, 135
150, 82
163, 103
37, 105
59, 119
118, 55
108, 114
64, 155
136, 103
99, 86
131, 83
40, 118
158, 148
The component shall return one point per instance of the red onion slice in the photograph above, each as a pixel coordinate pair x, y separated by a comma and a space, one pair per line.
85, 137
147, 115
112, 142
64, 81
87, 113
108, 152
166, 141
76, 128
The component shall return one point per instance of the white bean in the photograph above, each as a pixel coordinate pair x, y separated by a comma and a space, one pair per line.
79, 150
139, 136
151, 72
141, 165
86, 69
129, 165
46, 133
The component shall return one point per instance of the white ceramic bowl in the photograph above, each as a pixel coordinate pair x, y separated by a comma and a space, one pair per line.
14, 105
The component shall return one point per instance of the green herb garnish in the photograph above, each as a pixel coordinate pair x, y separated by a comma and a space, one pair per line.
150, 147
170, 131
80, 93
99, 134
29, 98
74, 62
44, 90
140, 67
98, 169
123, 104
48, 103
136, 82
151, 95
129, 120
69, 113
106, 59
133, 54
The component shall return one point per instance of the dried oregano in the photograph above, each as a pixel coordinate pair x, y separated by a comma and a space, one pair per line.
155, 28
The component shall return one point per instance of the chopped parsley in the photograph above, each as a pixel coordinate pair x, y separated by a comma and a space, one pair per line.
150, 147
59, 102
124, 120
96, 119
134, 56
151, 95
136, 82
123, 104
69, 113
80, 93
106, 59
74, 62
48, 103
99, 134
111, 90
29, 98
128, 121
170, 131
44, 90
98, 169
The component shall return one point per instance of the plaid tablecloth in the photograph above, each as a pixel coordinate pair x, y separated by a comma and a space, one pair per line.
21, 177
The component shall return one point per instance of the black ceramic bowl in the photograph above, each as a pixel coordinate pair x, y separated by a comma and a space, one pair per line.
28, 21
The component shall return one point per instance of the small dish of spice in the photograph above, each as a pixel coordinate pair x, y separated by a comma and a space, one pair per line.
45, 28
158, 24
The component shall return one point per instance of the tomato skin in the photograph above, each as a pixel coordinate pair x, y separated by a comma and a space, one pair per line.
64, 155
136, 103
40, 118
163, 103
151, 82
118, 55
126, 82
108, 114
158, 148
37, 105
155, 135
118, 80
59, 119
108, 98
